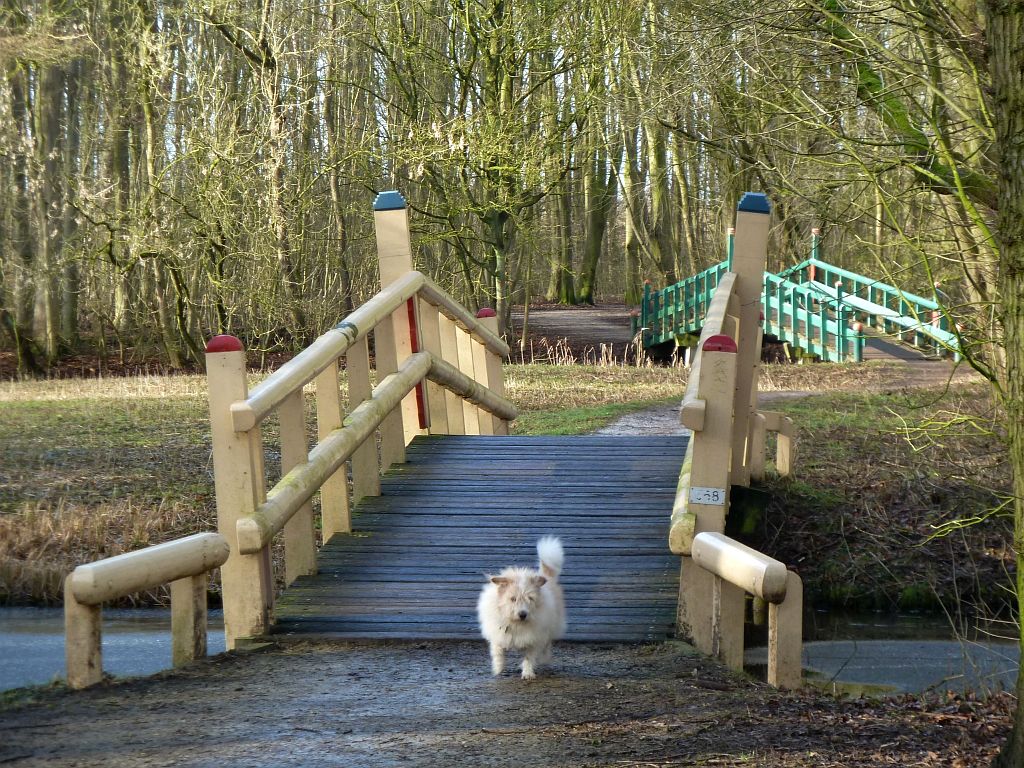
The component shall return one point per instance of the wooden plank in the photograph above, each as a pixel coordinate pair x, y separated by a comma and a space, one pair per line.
468, 505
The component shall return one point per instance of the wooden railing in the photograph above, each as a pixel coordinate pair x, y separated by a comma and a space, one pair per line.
727, 449
439, 370
739, 570
185, 563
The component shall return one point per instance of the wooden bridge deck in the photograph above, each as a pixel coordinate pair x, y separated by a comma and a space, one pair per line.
464, 506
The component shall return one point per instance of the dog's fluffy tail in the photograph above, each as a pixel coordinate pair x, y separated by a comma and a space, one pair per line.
551, 556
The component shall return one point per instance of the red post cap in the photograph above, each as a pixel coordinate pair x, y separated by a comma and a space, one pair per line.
858, 327
223, 343
720, 343
486, 312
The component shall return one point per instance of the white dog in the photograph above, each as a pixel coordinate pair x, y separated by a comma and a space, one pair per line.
523, 609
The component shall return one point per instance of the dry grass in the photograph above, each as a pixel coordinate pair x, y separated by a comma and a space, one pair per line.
42, 543
880, 477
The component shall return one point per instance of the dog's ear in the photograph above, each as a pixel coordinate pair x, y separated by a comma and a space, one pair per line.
539, 581
501, 581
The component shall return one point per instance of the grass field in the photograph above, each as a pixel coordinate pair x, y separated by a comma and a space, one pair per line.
95, 467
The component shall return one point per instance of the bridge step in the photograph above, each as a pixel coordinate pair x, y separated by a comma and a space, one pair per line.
461, 507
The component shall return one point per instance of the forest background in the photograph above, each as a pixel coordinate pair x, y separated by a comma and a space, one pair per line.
173, 170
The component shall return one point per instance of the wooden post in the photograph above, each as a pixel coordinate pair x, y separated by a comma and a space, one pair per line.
758, 438
188, 619
785, 636
709, 486
83, 649
335, 516
467, 361
749, 260
756, 443
481, 369
495, 375
450, 354
299, 535
727, 608
238, 480
430, 333
394, 254
365, 465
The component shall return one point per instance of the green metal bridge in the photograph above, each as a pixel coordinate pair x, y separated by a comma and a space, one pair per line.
818, 309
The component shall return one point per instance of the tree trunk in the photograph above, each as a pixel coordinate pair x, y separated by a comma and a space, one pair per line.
49, 209
631, 185
72, 173
1005, 31
335, 129
19, 322
660, 235
601, 172
565, 280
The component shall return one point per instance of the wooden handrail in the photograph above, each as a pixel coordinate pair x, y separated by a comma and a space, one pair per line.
115, 577
332, 344
183, 562
691, 414
753, 572
420, 332
737, 568
296, 487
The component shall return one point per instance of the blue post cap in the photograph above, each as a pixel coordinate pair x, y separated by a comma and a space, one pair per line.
754, 202
389, 201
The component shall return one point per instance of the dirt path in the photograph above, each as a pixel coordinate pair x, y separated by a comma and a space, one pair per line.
552, 331
434, 704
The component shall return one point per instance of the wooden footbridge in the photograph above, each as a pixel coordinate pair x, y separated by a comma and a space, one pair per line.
414, 490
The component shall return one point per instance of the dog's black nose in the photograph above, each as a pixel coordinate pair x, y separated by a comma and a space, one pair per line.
523, 614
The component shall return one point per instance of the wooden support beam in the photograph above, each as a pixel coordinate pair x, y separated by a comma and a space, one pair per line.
430, 333
450, 354
749, 260
365, 461
188, 619
83, 649
299, 536
238, 482
394, 260
467, 365
785, 636
335, 515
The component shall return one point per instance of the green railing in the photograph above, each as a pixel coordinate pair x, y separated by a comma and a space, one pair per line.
803, 317
678, 310
800, 315
883, 306
813, 306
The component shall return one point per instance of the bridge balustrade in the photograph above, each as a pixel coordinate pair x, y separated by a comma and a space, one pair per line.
727, 449
439, 370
